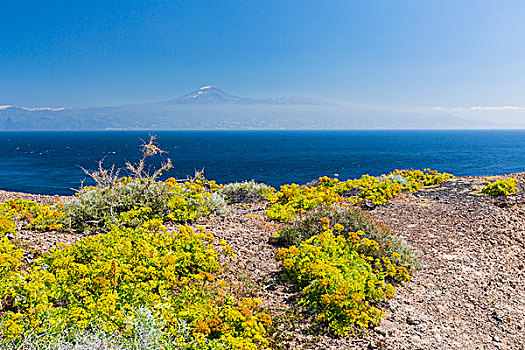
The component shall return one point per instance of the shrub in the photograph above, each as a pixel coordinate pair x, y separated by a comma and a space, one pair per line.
246, 192
294, 199
102, 280
144, 333
352, 219
340, 279
25, 214
7, 226
94, 207
193, 199
97, 207
500, 187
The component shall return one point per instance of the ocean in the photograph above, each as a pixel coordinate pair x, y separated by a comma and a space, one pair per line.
52, 162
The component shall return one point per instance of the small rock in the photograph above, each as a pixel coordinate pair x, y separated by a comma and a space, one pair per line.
497, 317
367, 204
386, 328
413, 320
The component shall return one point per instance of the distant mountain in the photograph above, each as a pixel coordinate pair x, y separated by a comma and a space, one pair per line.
210, 95
209, 108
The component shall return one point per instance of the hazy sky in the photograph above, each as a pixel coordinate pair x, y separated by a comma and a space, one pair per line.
440, 53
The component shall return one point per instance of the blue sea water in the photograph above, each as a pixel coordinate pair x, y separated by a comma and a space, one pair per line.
50, 162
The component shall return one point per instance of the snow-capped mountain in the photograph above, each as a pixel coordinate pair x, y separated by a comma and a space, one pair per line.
207, 95
211, 95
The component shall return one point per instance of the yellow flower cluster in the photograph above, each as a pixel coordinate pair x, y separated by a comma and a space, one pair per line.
293, 199
19, 213
501, 187
102, 279
189, 200
342, 279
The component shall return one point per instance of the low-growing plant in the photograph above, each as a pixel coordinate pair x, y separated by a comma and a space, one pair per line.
144, 333
352, 219
246, 192
340, 279
293, 199
18, 214
500, 187
194, 198
102, 280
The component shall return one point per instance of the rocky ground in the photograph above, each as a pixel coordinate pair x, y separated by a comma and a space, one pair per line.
469, 292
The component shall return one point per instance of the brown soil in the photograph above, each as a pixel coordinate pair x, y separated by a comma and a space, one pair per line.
469, 292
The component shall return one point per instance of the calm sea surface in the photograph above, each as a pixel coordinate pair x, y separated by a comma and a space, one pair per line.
49, 162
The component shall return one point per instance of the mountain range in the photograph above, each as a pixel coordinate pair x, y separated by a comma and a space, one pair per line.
210, 108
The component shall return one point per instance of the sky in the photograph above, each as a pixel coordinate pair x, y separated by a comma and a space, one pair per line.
454, 55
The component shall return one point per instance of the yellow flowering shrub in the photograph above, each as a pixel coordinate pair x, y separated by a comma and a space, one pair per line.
294, 199
345, 220
501, 187
7, 225
101, 279
19, 213
341, 279
190, 200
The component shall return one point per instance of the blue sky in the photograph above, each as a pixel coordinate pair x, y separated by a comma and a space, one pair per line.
417, 53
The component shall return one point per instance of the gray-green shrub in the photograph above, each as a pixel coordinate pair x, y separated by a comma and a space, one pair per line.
246, 192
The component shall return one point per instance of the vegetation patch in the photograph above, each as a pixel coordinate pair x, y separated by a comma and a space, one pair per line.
246, 192
16, 214
500, 187
341, 279
349, 220
95, 208
102, 280
293, 199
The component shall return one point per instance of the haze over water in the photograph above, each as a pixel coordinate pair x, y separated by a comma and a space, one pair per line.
49, 162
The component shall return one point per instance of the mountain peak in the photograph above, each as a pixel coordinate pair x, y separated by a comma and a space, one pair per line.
209, 94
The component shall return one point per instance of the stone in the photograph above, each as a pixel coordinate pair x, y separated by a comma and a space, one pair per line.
386, 328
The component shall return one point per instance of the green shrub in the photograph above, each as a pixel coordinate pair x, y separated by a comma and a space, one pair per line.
95, 208
500, 187
352, 219
339, 278
145, 333
246, 192
193, 199
102, 280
